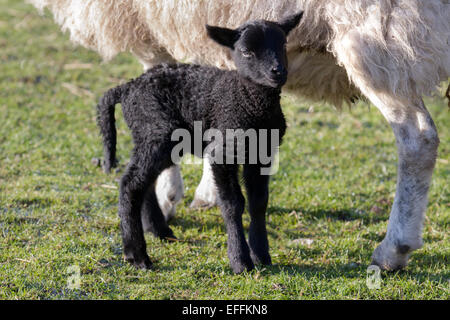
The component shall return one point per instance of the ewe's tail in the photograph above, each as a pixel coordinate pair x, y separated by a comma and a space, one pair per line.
107, 123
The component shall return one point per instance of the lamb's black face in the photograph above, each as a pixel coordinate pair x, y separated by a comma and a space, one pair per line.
260, 54
259, 49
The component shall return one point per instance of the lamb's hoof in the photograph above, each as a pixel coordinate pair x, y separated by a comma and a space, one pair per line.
390, 258
262, 259
241, 266
167, 235
201, 204
170, 238
139, 261
107, 166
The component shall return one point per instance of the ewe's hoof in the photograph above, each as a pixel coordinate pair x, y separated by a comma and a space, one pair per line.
201, 204
169, 191
390, 258
205, 194
168, 207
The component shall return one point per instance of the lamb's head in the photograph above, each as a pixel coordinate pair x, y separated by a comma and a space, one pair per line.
259, 48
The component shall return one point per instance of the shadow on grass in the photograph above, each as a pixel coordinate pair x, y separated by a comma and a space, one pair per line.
308, 272
33, 202
418, 260
346, 214
187, 222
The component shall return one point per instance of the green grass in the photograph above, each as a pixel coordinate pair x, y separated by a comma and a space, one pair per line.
335, 186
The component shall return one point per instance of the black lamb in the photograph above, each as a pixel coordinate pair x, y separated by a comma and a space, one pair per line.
170, 97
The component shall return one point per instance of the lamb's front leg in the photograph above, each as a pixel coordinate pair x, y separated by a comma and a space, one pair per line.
417, 143
257, 186
232, 202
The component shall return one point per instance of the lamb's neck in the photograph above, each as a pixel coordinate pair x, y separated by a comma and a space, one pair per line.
262, 97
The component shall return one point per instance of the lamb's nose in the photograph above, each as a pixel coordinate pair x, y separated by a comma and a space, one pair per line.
277, 70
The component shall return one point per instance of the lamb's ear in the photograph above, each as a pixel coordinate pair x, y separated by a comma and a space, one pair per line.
290, 22
223, 36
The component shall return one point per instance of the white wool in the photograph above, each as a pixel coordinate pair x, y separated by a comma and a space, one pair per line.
400, 46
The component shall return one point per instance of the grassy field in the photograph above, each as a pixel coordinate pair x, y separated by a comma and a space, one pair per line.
329, 202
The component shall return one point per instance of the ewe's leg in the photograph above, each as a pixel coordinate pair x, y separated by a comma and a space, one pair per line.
417, 143
231, 202
169, 190
151, 57
373, 69
257, 186
206, 192
152, 217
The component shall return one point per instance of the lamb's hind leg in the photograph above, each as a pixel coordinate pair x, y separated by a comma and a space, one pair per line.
417, 143
169, 186
132, 191
142, 171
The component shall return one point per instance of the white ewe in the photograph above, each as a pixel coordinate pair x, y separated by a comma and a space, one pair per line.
392, 52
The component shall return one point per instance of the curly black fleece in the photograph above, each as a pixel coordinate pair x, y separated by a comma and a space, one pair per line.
174, 96
170, 97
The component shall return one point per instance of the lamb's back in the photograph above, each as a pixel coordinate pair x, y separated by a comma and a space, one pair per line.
184, 88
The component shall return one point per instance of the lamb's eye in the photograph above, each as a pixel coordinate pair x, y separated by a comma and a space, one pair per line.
246, 53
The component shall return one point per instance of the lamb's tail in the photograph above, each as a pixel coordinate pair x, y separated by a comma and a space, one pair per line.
107, 123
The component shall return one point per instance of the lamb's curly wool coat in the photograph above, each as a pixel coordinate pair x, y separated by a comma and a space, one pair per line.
173, 97
390, 51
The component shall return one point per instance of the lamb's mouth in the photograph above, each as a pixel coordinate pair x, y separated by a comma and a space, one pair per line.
276, 82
